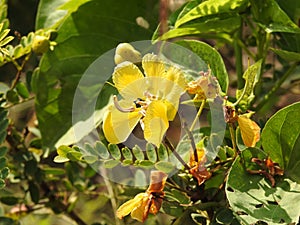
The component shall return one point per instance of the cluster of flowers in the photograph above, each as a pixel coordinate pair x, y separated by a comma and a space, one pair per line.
150, 91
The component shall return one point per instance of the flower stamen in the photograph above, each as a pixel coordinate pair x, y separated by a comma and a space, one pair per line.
120, 108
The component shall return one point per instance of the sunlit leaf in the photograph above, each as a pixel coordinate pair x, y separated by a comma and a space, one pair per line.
246, 95
281, 139
212, 7
271, 17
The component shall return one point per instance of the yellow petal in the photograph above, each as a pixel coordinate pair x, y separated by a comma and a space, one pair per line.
126, 73
117, 126
141, 212
176, 75
130, 205
153, 66
250, 131
156, 122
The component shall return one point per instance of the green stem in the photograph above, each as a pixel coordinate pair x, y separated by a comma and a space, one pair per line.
111, 195
238, 59
232, 136
20, 69
198, 115
276, 87
173, 150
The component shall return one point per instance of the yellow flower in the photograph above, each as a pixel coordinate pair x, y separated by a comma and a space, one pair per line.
144, 203
151, 98
206, 86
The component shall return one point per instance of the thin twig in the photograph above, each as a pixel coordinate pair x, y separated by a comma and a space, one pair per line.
198, 115
232, 136
20, 69
193, 144
170, 146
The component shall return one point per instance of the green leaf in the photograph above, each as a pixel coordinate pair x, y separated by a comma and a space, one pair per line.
74, 156
53, 171
281, 139
211, 57
9, 200
212, 7
251, 76
253, 199
101, 150
163, 166
82, 37
90, 158
138, 153
140, 178
60, 159
12, 96
3, 151
111, 163
6, 40
185, 218
2, 162
145, 163
34, 192
3, 34
162, 153
225, 216
173, 209
127, 153
151, 152
63, 150
271, 17
51, 13
114, 151
3, 124
2, 183
89, 150
22, 90
287, 55
218, 26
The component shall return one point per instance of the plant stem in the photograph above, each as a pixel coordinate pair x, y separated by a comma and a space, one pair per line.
238, 58
176, 154
193, 144
276, 87
20, 69
198, 115
111, 195
232, 136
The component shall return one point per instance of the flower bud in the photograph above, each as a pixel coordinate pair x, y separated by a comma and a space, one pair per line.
125, 52
40, 45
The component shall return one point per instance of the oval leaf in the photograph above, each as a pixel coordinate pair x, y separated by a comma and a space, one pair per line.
281, 139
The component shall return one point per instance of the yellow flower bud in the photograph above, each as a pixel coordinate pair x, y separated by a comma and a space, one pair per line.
40, 45
125, 52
